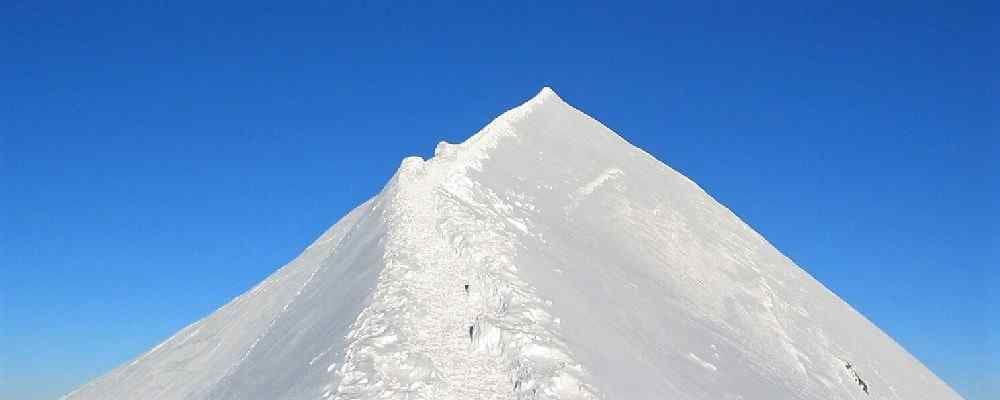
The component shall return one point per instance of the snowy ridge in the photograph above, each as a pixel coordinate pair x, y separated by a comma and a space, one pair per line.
474, 150
543, 258
490, 332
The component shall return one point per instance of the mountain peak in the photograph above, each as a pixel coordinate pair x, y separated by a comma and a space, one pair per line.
544, 97
544, 258
546, 94
545, 104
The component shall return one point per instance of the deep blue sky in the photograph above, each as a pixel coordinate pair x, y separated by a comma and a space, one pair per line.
159, 160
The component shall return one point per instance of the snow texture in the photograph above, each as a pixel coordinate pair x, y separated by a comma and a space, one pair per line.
543, 258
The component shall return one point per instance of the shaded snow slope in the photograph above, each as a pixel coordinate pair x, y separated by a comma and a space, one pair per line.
543, 258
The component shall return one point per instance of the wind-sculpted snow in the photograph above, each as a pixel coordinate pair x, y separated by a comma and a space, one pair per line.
543, 258
451, 318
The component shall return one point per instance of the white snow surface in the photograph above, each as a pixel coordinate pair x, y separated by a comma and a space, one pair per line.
594, 271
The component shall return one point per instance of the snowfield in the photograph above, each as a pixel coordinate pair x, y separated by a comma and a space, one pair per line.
543, 258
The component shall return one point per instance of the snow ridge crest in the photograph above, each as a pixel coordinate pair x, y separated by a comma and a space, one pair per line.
475, 149
450, 318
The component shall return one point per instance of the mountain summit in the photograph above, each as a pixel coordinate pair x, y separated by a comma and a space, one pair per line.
543, 258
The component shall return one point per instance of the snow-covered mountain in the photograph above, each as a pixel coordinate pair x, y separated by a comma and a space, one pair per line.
543, 258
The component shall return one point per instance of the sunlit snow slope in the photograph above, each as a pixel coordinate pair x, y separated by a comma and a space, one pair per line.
544, 258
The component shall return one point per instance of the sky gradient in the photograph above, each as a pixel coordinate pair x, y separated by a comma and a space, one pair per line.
158, 160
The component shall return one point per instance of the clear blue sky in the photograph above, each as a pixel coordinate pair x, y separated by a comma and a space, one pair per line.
158, 160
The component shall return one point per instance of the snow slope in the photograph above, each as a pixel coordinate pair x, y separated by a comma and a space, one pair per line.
543, 258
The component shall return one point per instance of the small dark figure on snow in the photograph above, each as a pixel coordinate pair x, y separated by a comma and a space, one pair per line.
857, 378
